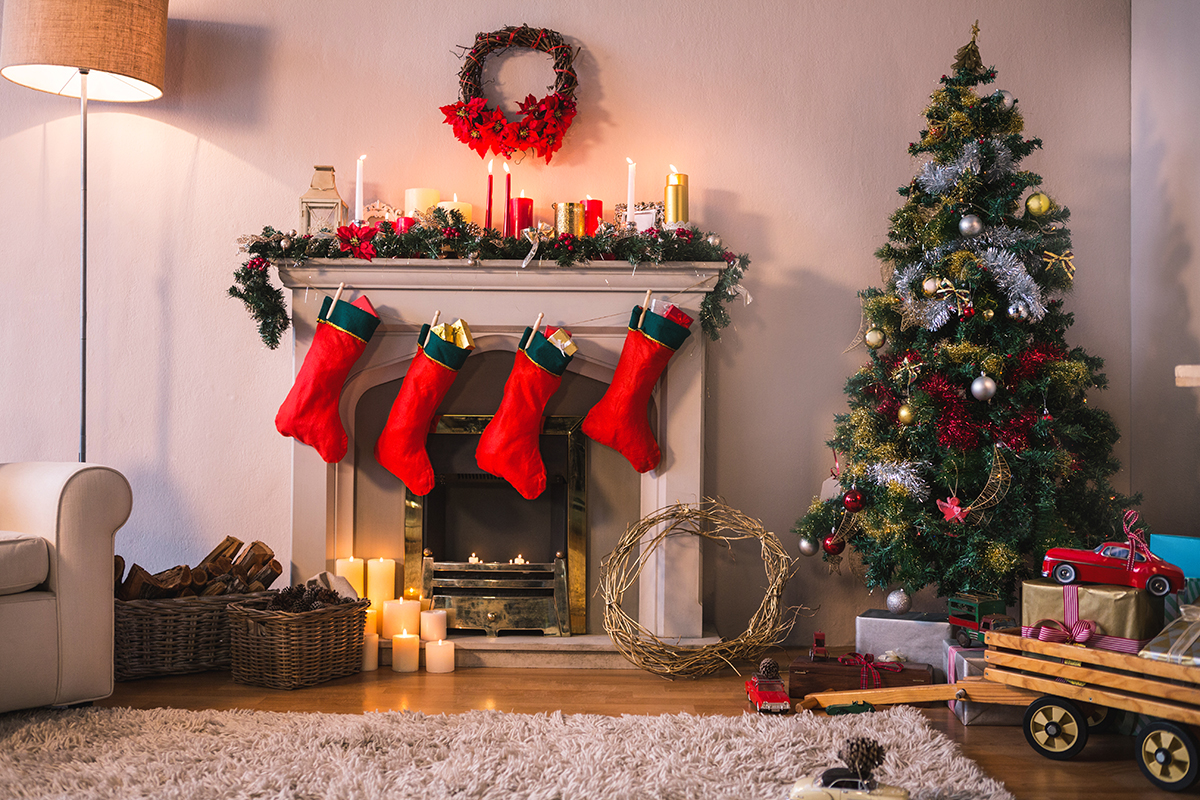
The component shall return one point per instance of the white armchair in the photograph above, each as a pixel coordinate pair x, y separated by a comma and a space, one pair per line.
57, 522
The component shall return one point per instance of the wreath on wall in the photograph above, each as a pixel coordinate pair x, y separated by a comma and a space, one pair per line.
543, 123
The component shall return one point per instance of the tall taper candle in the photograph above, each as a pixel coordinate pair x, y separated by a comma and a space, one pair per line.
487, 214
507, 199
630, 201
358, 190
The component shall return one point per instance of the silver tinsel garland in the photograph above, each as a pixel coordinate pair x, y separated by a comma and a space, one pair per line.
993, 247
937, 178
906, 474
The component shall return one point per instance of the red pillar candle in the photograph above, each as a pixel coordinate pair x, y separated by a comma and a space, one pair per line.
507, 201
402, 224
593, 212
487, 214
520, 214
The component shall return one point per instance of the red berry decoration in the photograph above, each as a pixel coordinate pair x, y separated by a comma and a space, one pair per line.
833, 545
853, 500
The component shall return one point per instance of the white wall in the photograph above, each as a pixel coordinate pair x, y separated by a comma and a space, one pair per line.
1165, 194
792, 119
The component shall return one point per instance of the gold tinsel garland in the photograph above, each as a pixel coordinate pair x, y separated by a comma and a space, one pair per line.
713, 520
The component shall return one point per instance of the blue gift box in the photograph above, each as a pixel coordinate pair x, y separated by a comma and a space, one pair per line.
1182, 551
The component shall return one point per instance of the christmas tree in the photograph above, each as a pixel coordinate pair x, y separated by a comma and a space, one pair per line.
969, 448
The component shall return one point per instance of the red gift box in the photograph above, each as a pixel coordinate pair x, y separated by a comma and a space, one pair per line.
853, 671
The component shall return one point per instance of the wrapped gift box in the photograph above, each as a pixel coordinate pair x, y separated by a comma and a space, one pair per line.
1125, 618
806, 677
918, 635
1179, 642
964, 662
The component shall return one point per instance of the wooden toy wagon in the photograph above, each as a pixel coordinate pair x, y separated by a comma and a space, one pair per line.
1079, 692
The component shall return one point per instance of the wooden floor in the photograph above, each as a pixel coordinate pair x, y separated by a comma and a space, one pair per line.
1105, 769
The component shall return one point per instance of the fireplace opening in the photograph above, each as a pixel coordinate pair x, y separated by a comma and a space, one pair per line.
499, 560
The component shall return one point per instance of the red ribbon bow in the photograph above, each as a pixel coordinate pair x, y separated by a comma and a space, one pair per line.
1051, 630
868, 676
1137, 542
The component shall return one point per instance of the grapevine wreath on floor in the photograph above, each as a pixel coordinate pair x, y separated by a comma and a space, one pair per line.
714, 520
543, 122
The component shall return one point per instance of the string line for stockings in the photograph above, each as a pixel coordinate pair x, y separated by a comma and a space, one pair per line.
568, 325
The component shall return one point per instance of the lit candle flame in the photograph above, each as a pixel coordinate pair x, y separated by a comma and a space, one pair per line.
363, 157
673, 170
522, 193
490, 166
506, 169
404, 631
588, 196
456, 197
630, 160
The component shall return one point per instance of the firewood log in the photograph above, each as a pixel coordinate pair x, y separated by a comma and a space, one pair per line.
226, 549
254, 556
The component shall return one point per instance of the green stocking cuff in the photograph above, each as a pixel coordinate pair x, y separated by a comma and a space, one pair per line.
660, 329
439, 350
544, 353
349, 318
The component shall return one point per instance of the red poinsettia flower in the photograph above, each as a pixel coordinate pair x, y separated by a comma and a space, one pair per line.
463, 116
521, 135
356, 240
528, 105
479, 139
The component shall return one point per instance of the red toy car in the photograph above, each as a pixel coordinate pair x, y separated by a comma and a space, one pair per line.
1106, 564
767, 694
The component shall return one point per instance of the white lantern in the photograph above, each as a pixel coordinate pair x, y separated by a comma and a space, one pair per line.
322, 211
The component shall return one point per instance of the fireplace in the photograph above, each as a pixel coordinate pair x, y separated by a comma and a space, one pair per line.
355, 507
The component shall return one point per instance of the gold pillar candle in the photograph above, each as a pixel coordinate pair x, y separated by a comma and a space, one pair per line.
568, 218
675, 205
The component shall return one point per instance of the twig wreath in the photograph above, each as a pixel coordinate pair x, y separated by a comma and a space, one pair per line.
714, 520
543, 122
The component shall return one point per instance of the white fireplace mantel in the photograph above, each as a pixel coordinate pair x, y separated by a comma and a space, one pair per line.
499, 299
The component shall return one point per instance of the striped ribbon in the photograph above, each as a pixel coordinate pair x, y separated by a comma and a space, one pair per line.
868, 675
1137, 542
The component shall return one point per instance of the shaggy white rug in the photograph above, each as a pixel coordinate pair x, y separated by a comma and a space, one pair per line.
219, 755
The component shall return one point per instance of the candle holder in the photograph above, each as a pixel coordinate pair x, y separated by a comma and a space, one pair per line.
568, 218
322, 210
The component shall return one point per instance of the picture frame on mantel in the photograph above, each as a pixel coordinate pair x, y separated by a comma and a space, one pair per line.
645, 215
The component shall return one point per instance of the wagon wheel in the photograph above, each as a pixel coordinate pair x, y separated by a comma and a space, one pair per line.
1100, 719
1055, 727
1167, 756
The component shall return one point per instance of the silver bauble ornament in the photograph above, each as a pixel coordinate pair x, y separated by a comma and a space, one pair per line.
472, 261
898, 601
875, 338
714, 240
1018, 311
284, 244
970, 225
809, 546
1007, 100
983, 387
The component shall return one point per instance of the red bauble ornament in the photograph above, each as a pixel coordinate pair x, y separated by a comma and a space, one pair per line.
853, 500
967, 312
833, 545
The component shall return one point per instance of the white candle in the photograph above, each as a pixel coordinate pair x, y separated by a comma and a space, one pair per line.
419, 200
433, 624
473, 559
409, 615
372, 625
358, 190
406, 652
439, 656
630, 201
370, 659
352, 570
518, 559
463, 208
381, 581
392, 622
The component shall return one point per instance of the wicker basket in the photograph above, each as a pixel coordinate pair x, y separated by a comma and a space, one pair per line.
288, 650
172, 636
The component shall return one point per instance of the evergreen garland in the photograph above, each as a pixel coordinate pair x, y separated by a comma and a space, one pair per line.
960, 300
444, 234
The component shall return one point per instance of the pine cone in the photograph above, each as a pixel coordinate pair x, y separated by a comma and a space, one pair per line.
769, 668
862, 755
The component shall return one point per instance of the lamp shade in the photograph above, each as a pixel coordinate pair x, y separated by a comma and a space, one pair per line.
121, 43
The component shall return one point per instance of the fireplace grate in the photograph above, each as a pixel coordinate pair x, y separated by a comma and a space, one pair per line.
495, 597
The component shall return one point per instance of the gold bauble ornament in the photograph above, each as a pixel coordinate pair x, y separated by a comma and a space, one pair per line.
929, 286
905, 415
987, 314
1037, 204
875, 338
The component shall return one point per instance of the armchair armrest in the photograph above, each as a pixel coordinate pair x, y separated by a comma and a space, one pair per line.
77, 508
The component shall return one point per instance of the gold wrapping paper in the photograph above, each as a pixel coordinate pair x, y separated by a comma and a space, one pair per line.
1117, 610
457, 334
563, 342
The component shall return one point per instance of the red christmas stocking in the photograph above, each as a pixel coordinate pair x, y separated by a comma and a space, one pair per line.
508, 447
401, 446
310, 412
621, 418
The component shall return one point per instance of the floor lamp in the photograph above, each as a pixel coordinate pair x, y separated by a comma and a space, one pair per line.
98, 49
